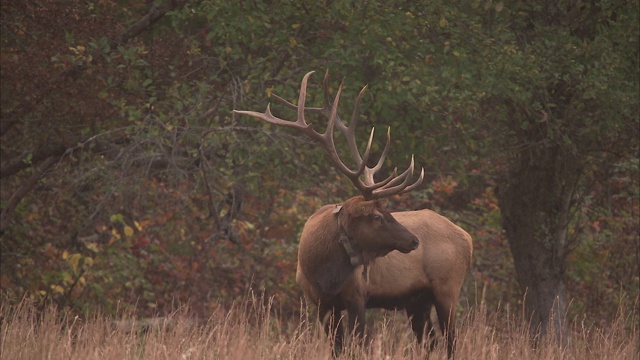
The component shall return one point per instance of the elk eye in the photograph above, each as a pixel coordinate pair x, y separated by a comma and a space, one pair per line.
377, 217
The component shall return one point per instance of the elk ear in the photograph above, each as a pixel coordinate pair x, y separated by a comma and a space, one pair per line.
365, 208
382, 203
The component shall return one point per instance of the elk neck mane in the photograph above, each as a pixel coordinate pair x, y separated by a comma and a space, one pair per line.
331, 257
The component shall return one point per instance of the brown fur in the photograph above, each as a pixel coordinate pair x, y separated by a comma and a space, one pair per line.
414, 280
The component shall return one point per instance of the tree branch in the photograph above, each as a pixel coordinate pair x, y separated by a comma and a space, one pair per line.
5, 216
154, 14
18, 163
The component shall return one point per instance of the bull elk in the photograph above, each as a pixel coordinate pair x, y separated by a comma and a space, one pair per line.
346, 257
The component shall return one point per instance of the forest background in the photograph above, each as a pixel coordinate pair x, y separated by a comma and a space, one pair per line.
129, 184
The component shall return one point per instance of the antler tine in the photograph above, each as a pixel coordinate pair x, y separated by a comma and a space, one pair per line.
370, 172
330, 147
303, 98
333, 114
350, 132
297, 107
363, 162
300, 122
397, 181
400, 183
416, 183
325, 110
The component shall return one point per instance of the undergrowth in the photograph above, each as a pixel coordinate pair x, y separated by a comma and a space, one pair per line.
252, 329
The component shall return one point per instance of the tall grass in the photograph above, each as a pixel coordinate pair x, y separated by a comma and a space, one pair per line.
251, 330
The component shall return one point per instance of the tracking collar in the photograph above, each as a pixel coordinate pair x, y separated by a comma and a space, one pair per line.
355, 258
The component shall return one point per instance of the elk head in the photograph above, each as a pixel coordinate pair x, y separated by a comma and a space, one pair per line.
362, 176
371, 231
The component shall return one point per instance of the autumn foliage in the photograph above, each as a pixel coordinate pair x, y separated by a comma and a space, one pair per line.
128, 184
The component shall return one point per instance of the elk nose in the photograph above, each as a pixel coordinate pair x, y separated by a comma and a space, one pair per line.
415, 243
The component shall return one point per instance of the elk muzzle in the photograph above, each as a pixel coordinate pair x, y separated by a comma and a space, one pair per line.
413, 244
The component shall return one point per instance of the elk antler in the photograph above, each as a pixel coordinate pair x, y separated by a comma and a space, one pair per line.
370, 189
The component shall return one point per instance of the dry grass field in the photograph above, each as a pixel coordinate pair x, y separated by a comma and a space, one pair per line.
252, 330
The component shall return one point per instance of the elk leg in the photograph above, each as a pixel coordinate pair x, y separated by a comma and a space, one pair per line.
420, 315
356, 311
332, 323
446, 319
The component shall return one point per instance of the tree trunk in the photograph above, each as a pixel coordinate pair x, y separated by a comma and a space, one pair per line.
535, 200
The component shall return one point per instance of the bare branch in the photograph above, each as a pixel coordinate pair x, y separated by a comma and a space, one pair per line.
5, 216
154, 14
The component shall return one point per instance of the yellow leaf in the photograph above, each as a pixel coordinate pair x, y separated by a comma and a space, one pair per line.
88, 261
66, 278
57, 289
74, 260
443, 22
138, 225
65, 255
128, 231
92, 246
295, 26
